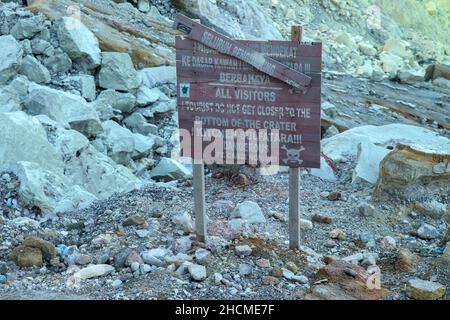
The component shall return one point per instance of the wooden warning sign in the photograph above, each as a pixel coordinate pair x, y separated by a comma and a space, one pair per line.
224, 91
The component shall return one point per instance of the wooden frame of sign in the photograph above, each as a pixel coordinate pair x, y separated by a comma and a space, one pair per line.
213, 70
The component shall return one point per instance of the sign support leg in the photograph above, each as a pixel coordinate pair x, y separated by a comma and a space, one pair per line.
294, 208
294, 179
199, 201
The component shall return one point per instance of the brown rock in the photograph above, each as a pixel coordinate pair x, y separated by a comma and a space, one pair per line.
135, 220
321, 219
425, 290
406, 261
292, 267
47, 248
276, 272
269, 280
27, 257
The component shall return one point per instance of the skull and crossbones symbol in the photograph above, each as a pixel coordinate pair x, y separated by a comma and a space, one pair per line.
293, 155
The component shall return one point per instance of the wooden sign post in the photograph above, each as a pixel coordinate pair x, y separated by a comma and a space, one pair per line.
294, 179
249, 86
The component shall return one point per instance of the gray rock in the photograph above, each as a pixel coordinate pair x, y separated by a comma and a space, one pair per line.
244, 250
300, 279
134, 266
79, 43
153, 77
39, 46
427, 232
249, 211
34, 70
119, 142
197, 272
85, 84
202, 256
151, 260
122, 101
169, 169
245, 270
118, 72
425, 290
146, 96
142, 233
26, 28
138, 124
65, 108
3, 268
116, 283
59, 62
366, 209
10, 58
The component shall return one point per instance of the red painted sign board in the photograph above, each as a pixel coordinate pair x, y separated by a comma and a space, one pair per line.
225, 92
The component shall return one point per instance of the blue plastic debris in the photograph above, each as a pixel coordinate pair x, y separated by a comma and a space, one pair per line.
11, 203
2, 279
408, 238
440, 250
62, 249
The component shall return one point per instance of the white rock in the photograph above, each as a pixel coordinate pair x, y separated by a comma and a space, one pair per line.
10, 57
168, 169
244, 250
391, 63
197, 272
305, 224
118, 72
345, 144
119, 142
34, 70
146, 96
368, 162
138, 124
25, 222
26, 141
427, 232
153, 77
79, 43
65, 108
122, 101
98, 270
325, 172
249, 211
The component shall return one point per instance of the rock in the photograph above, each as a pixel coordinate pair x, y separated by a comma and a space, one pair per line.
138, 124
117, 72
10, 58
388, 243
406, 261
133, 257
367, 49
122, 101
292, 267
85, 84
269, 280
65, 108
197, 272
119, 142
345, 145
34, 70
365, 209
391, 63
153, 77
98, 270
322, 219
83, 259
26, 222
338, 234
325, 172
427, 232
409, 76
144, 5
245, 270
59, 62
305, 224
202, 256
134, 266
135, 220
243, 250
28, 133
145, 268
368, 162
330, 244
79, 43
116, 283
263, 263
424, 290
26, 28
249, 211
396, 47
169, 169
300, 279
3, 267
185, 221
142, 233
407, 173
436, 71
26, 257
368, 239
146, 96
334, 196
47, 248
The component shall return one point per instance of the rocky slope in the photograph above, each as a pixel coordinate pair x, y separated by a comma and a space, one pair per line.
87, 112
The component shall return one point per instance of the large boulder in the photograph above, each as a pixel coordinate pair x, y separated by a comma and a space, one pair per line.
415, 173
249, 211
79, 43
24, 139
12, 95
368, 162
119, 142
153, 77
343, 146
123, 101
34, 70
138, 124
26, 28
66, 108
118, 72
10, 58
168, 169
